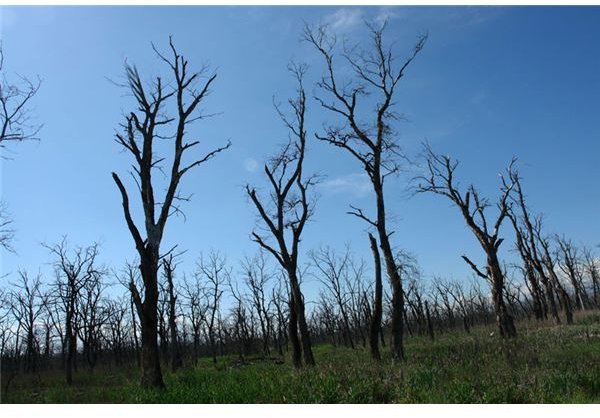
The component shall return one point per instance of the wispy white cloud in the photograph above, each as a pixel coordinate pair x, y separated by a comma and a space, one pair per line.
346, 19
357, 184
250, 165
387, 14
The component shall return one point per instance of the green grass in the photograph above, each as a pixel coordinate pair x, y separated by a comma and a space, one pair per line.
543, 364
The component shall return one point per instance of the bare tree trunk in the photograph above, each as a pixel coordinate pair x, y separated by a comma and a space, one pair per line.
375, 325
148, 312
169, 268
301, 317
429, 323
293, 334
504, 320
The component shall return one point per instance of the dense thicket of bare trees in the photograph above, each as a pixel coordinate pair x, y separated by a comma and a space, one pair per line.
76, 320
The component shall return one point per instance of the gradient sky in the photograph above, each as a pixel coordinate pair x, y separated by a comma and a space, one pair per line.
491, 83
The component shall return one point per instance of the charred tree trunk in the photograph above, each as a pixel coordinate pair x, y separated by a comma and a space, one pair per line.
293, 334
375, 324
504, 319
176, 361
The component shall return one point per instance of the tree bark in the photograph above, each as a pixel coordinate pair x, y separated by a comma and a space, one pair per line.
375, 325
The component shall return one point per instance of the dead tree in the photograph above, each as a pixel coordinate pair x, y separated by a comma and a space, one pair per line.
142, 128
73, 271
214, 273
26, 306
169, 272
129, 278
91, 314
571, 266
242, 322
196, 306
334, 271
372, 143
7, 233
116, 329
549, 264
375, 325
279, 325
15, 113
288, 212
256, 277
593, 271
441, 289
440, 180
528, 246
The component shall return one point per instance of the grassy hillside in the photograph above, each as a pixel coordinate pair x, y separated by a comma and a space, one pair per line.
543, 364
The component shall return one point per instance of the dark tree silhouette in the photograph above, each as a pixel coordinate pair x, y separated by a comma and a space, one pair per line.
375, 323
74, 271
214, 273
291, 209
440, 179
572, 267
6, 231
169, 266
256, 277
374, 143
15, 114
141, 130
26, 306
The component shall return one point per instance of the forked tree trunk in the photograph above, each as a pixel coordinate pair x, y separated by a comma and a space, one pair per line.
307, 353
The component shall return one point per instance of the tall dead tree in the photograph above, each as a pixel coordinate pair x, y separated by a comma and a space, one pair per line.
549, 264
440, 179
572, 267
373, 143
142, 128
528, 246
286, 214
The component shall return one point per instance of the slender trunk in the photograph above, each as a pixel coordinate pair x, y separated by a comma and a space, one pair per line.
301, 319
375, 325
429, 323
176, 361
135, 335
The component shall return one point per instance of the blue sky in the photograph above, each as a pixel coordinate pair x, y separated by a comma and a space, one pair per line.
490, 83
